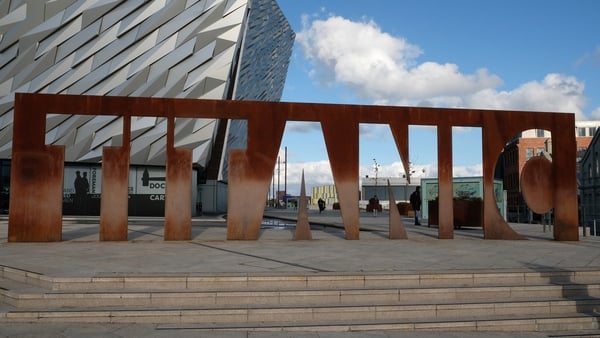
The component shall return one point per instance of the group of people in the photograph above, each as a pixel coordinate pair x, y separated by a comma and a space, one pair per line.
415, 202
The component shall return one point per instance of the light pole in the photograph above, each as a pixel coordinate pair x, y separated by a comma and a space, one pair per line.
408, 174
376, 168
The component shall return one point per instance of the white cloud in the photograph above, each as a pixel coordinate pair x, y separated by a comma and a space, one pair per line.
302, 127
595, 114
380, 66
468, 171
592, 58
555, 93
386, 70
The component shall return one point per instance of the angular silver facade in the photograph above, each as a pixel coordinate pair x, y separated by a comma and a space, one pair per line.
216, 49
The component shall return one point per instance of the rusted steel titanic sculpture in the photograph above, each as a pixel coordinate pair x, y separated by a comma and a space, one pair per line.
37, 169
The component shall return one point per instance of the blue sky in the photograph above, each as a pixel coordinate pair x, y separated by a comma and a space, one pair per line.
539, 55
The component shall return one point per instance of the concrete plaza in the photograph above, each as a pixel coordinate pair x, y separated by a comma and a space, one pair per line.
80, 254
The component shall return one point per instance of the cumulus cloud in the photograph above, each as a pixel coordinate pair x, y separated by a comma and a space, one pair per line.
315, 174
386, 69
379, 66
555, 93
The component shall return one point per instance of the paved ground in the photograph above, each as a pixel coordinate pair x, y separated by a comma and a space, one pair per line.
80, 254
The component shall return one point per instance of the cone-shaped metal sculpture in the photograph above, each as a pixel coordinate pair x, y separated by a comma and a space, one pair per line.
397, 230
302, 226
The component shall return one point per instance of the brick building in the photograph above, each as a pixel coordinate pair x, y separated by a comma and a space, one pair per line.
531, 143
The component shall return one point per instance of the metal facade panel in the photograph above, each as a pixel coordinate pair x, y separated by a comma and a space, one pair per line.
130, 48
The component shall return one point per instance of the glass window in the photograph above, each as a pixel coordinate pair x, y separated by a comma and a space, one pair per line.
528, 153
540, 132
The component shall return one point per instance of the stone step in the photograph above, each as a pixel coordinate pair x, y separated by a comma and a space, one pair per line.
300, 281
561, 326
468, 301
40, 298
257, 316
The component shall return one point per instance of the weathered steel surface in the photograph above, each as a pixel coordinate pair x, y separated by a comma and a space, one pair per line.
400, 133
340, 132
566, 226
302, 226
396, 226
114, 197
445, 181
250, 172
36, 179
178, 199
35, 205
35, 211
496, 133
115, 188
537, 184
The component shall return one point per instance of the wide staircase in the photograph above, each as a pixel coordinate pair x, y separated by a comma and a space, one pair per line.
551, 301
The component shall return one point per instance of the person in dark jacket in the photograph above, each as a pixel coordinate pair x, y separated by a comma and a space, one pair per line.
415, 202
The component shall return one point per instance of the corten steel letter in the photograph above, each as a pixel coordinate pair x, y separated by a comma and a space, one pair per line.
494, 137
250, 173
566, 223
115, 188
36, 178
340, 131
37, 169
499, 128
178, 201
445, 194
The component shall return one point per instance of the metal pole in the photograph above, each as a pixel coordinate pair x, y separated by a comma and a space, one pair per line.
285, 174
273, 196
278, 177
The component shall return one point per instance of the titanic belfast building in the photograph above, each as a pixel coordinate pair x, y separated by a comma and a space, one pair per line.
200, 49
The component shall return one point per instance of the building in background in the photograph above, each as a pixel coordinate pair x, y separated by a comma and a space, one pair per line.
378, 186
535, 143
327, 192
589, 184
201, 49
467, 188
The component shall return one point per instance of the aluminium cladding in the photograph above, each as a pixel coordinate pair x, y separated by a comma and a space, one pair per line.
213, 49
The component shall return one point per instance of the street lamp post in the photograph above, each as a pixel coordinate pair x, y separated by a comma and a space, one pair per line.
376, 168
